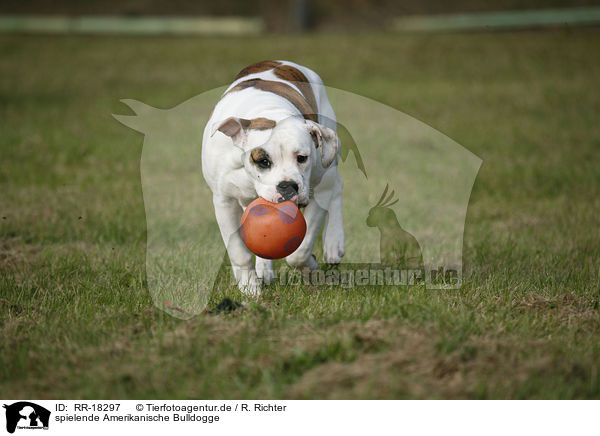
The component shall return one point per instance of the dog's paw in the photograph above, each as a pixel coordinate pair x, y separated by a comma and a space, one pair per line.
301, 261
264, 270
252, 288
333, 247
249, 283
312, 263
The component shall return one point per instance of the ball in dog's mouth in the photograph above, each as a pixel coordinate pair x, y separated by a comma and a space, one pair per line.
293, 199
272, 230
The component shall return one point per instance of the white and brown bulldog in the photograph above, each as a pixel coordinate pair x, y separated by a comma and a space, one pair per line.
273, 135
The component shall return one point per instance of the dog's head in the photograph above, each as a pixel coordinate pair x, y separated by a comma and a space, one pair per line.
279, 157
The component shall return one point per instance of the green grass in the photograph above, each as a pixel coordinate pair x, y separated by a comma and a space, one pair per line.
76, 317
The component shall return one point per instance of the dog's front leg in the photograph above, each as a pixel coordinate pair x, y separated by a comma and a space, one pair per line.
333, 233
302, 257
229, 213
264, 270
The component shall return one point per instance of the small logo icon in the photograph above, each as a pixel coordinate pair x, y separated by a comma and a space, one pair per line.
26, 415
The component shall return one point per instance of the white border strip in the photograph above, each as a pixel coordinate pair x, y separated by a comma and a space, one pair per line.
278, 417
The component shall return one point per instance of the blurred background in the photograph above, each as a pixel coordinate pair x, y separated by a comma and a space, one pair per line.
287, 15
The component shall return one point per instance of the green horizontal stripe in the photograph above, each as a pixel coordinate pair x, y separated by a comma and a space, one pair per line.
131, 25
499, 20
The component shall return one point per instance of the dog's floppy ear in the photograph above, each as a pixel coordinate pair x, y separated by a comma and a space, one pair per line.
236, 128
326, 141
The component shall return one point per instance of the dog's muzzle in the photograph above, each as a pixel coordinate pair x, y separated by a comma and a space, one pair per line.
287, 189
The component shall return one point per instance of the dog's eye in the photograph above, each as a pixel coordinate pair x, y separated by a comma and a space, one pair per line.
301, 158
264, 163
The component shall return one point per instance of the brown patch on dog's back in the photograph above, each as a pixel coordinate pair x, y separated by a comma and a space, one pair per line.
286, 91
257, 68
297, 77
290, 73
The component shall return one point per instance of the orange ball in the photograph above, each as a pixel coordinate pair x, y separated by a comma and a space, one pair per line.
272, 230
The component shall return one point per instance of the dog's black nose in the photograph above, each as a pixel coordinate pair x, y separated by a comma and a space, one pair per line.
287, 185
287, 189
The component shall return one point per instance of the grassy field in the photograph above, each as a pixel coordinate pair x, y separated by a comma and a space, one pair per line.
75, 314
